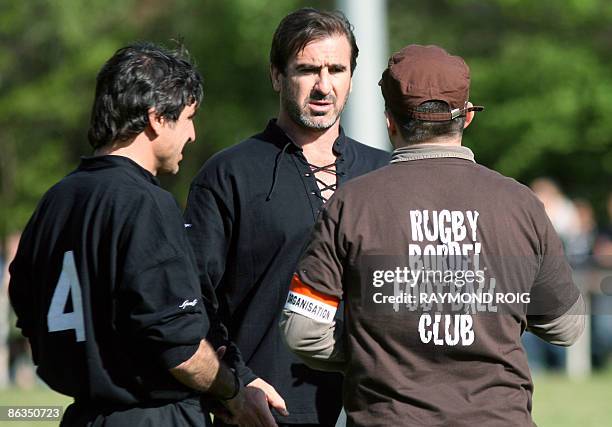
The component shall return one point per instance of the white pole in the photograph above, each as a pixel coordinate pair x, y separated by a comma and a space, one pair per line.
364, 119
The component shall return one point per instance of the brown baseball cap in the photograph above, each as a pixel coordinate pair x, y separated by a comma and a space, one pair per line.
417, 74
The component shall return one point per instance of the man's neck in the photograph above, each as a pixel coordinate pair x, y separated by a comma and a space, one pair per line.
317, 144
443, 141
135, 150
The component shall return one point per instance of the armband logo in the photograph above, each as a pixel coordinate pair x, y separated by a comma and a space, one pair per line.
309, 302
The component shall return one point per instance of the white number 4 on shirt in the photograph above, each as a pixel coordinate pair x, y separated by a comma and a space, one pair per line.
57, 319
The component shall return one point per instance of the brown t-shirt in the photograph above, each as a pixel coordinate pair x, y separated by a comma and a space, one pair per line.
442, 264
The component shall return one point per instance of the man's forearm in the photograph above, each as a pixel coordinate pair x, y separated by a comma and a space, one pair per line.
564, 330
204, 372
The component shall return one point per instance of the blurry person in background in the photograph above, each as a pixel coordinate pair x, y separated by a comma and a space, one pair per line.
559, 208
15, 358
21, 369
602, 304
603, 244
579, 248
5, 258
566, 221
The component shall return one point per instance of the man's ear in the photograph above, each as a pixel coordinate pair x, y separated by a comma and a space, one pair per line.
275, 77
391, 125
469, 116
393, 130
156, 122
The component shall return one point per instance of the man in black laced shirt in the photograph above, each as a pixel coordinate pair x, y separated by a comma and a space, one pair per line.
252, 206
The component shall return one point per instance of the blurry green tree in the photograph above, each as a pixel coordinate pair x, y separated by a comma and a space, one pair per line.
542, 69
51, 51
49, 55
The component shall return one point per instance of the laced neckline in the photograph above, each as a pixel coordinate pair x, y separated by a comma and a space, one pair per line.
323, 186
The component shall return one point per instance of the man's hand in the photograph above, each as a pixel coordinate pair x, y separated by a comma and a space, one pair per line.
249, 409
274, 399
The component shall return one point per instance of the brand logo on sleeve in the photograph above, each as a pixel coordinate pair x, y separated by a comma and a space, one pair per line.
305, 300
188, 303
188, 225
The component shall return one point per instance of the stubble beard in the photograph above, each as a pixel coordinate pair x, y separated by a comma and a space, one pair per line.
170, 164
300, 113
169, 168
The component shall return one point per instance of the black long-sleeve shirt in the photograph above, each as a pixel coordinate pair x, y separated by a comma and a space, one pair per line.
249, 213
104, 286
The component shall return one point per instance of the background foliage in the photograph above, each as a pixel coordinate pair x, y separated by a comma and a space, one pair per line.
542, 69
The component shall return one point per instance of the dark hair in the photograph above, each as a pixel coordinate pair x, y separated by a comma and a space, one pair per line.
301, 27
137, 78
418, 131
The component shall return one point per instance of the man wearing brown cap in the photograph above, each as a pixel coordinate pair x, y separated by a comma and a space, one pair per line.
442, 264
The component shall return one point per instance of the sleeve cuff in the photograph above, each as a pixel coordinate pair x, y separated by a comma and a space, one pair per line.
174, 356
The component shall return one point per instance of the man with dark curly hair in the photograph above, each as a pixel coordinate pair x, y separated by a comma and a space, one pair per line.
104, 283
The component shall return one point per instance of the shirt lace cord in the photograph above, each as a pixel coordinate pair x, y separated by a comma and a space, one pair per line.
323, 186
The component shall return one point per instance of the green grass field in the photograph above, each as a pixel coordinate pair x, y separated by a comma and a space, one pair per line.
39, 396
561, 402
558, 401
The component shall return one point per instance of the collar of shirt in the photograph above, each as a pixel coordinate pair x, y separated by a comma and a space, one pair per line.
275, 134
279, 137
100, 162
431, 151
